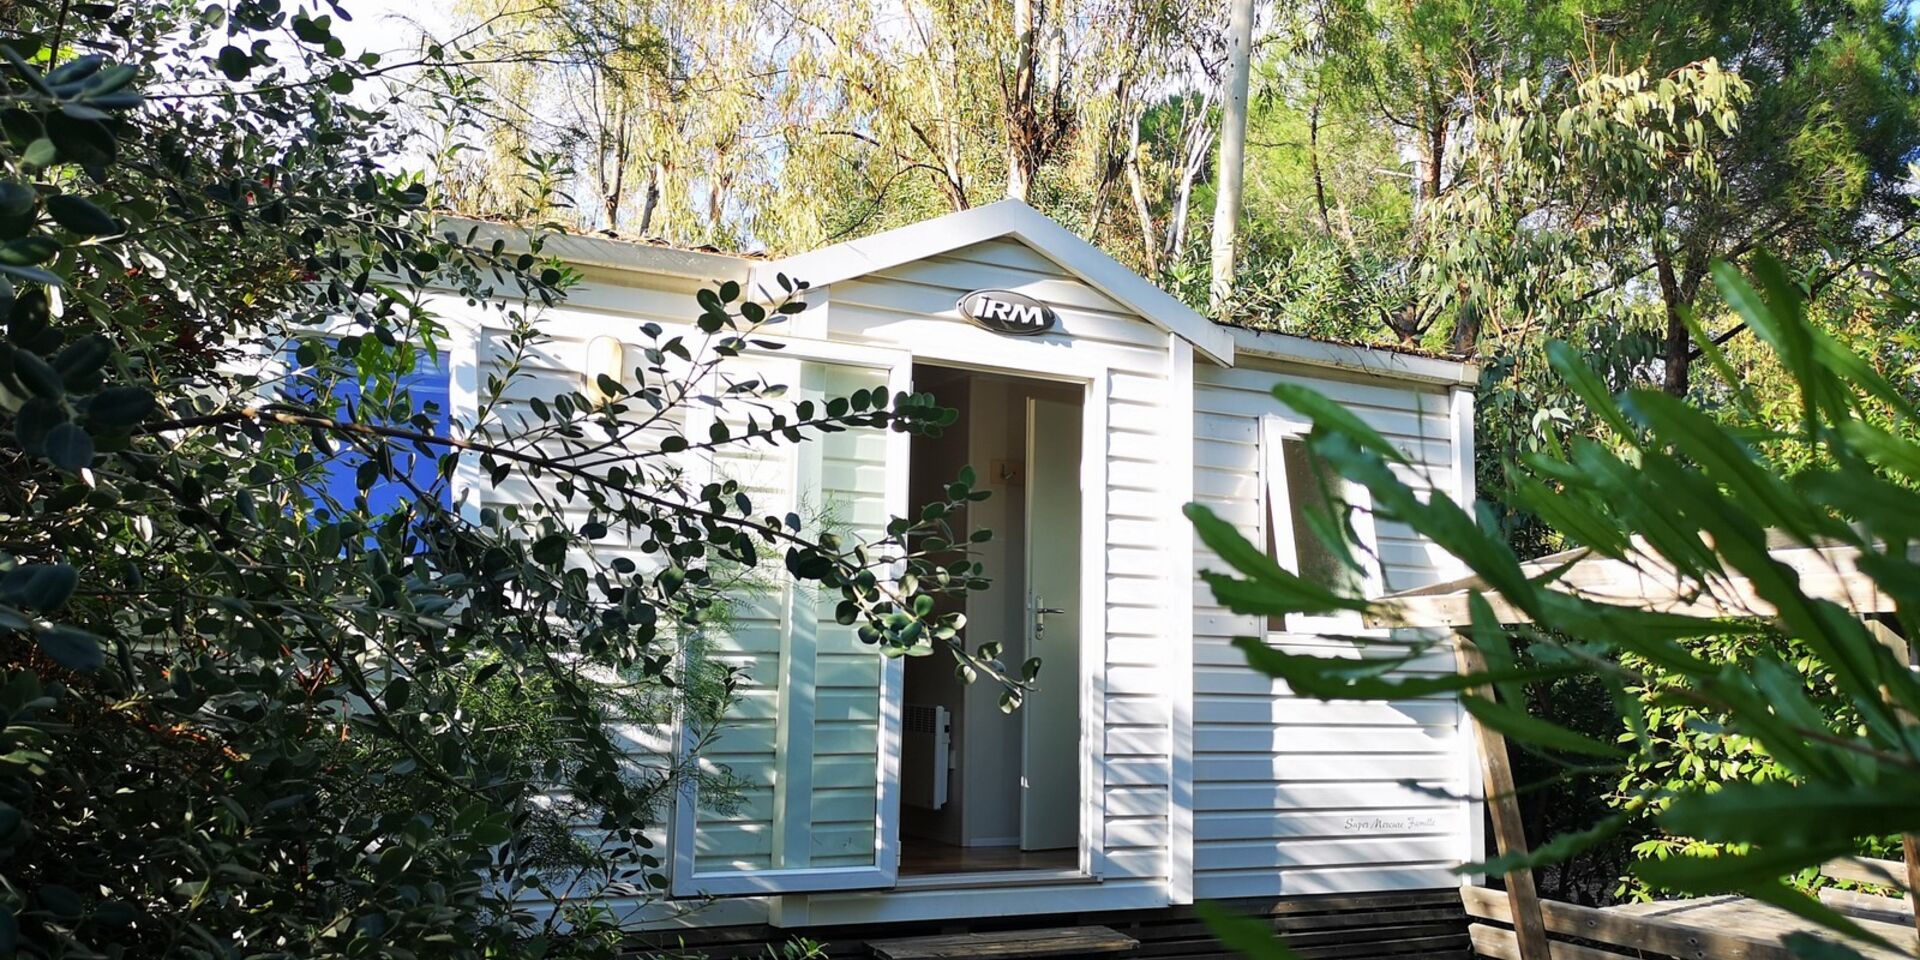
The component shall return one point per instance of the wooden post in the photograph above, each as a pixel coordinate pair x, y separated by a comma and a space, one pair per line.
1508, 833
1910, 843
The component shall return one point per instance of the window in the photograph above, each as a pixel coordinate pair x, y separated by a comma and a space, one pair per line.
1318, 525
425, 398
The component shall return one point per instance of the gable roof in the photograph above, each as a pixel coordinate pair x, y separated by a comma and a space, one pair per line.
1007, 218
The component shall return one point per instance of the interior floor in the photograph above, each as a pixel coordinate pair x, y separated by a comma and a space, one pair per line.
921, 857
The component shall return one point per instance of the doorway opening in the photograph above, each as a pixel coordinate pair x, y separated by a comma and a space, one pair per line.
983, 790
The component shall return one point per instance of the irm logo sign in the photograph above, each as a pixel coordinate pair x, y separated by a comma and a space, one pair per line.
1004, 311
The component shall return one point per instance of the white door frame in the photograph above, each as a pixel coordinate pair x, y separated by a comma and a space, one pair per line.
1051, 363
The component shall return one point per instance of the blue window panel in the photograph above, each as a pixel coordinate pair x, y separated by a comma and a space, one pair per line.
428, 387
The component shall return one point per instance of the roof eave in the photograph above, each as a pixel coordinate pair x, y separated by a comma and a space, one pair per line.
1372, 361
625, 256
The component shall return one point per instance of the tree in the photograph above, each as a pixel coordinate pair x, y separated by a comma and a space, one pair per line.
266, 686
648, 104
1814, 689
1035, 87
809, 122
1233, 145
1564, 197
1813, 168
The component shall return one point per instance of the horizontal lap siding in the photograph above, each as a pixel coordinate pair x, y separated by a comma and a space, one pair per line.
552, 366
913, 307
1293, 795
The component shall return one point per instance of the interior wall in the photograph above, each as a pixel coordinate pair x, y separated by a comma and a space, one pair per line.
935, 462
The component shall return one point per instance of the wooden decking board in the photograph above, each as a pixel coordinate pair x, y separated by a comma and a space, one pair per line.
1868, 906
1706, 928
1498, 943
1062, 942
1342, 927
1766, 925
1451, 945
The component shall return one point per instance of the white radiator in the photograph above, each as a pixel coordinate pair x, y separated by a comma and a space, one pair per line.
927, 732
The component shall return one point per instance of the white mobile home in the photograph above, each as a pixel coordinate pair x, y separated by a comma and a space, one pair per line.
1152, 767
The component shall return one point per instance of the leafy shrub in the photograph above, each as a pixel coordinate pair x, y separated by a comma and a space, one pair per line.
266, 687
1767, 732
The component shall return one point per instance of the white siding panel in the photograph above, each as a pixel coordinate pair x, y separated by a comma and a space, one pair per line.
1320, 880
1296, 796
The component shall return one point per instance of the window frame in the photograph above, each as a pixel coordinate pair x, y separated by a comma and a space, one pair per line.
1276, 516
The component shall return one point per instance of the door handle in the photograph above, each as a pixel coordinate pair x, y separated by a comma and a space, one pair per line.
1040, 617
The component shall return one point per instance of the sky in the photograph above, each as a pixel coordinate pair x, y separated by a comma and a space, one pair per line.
387, 26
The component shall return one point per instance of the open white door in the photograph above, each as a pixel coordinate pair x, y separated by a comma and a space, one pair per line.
813, 744
1050, 717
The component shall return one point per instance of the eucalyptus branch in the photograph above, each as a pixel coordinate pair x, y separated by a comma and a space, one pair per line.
849, 570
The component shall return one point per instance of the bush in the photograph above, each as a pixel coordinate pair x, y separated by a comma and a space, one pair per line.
267, 689
1765, 733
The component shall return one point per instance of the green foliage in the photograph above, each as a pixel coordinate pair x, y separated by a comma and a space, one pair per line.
246, 711
1811, 748
1480, 180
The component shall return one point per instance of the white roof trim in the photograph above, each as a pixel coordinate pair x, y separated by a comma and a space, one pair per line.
1008, 218
1372, 361
611, 254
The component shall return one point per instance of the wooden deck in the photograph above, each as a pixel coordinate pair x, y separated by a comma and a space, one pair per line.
1426, 924
1006, 945
1765, 927
1707, 928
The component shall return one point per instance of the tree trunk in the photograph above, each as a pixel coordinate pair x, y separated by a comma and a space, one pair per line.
1198, 139
1142, 208
1436, 152
1101, 194
1020, 102
1233, 154
1679, 346
1313, 157
649, 202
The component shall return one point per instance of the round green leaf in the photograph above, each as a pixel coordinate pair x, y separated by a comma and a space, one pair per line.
37, 375
82, 216
29, 250
16, 200
73, 648
39, 586
118, 407
81, 140
40, 153
397, 693
234, 62
69, 447
37, 418
550, 549
77, 362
